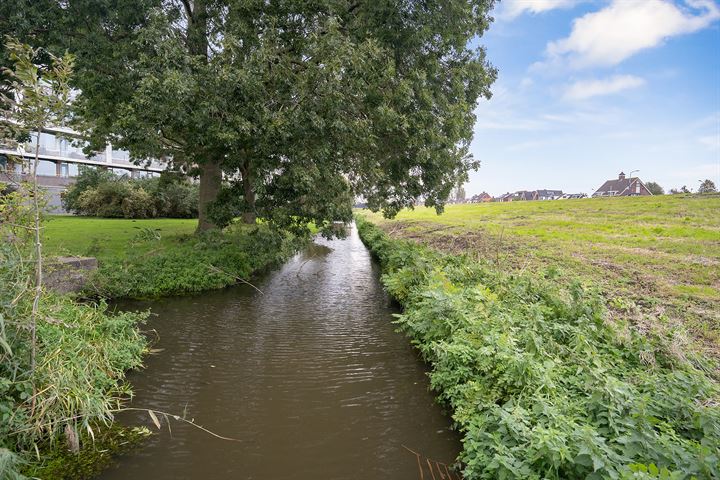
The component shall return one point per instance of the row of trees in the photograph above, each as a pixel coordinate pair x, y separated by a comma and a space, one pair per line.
285, 110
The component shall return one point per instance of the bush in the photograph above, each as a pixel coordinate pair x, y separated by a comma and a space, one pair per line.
101, 193
201, 262
541, 385
173, 196
106, 200
88, 178
138, 204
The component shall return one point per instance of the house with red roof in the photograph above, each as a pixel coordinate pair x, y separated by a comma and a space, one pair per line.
622, 187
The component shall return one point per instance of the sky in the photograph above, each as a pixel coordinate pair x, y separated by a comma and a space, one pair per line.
589, 88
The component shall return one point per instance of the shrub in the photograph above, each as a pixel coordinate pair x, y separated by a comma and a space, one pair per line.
101, 193
88, 178
138, 204
201, 262
541, 385
105, 200
173, 196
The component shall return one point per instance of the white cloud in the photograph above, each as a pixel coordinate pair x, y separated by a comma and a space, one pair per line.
592, 88
711, 141
691, 175
514, 8
626, 27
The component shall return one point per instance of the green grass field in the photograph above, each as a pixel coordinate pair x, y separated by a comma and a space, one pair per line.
657, 259
109, 238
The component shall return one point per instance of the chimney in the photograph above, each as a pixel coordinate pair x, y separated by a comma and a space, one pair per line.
621, 176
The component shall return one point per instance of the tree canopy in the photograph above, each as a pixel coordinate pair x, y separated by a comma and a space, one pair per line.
299, 106
707, 186
655, 188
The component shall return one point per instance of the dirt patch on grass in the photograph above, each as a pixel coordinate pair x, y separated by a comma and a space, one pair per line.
450, 239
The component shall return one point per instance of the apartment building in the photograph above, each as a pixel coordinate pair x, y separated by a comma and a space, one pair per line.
61, 155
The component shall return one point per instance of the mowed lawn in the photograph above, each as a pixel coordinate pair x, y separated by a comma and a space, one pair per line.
111, 238
656, 259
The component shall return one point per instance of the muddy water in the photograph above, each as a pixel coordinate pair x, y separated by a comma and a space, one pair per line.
309, 376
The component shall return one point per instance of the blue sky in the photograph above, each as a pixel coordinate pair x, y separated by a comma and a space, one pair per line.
589, 88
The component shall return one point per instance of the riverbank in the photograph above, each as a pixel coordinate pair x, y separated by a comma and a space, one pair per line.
540, 383
67, 397
656, 260
160, 257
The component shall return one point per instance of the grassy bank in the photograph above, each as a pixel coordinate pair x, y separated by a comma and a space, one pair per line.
112, 238
540, 383
83, 352
151, 258
62, 364
655, 259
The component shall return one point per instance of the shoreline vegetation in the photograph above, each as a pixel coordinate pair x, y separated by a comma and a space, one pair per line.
162, 257
542, 383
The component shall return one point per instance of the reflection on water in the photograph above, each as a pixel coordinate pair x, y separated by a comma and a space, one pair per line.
309, 376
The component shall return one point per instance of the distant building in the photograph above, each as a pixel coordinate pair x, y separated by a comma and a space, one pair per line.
516, 196
622, 187
481, 198
525, 195
548, 194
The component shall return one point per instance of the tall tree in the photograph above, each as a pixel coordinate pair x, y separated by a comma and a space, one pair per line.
707, 186
655, 188
460, 194
301, 105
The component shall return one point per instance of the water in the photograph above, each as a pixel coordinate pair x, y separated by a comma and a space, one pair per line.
310, 376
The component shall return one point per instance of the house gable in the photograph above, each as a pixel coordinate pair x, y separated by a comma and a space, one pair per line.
622, 187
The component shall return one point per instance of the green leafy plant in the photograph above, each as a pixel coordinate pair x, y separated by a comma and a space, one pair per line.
206, 261
99, 193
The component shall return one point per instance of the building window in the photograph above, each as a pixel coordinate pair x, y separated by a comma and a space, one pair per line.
637, 187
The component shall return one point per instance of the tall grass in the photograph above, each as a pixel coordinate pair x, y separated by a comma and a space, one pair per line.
81, 355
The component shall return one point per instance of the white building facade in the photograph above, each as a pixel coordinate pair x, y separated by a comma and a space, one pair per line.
61, 155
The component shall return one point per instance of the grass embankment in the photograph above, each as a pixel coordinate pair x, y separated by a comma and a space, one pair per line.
656, 259
151, 258
82, 355
540, 383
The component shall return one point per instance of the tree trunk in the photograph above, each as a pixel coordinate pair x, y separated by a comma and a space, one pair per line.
210, 183
248, 215
210, 171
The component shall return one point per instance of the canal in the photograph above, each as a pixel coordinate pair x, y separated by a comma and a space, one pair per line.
308, 374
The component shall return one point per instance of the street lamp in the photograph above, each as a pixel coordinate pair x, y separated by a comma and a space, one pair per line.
632, 173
